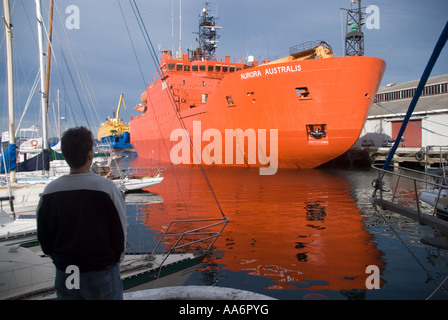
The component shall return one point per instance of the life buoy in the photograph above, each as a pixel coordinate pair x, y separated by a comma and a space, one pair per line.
34, 143
419, 156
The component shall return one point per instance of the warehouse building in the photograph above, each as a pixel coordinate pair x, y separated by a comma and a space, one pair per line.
428, 125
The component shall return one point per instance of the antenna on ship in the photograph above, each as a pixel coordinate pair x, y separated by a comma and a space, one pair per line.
208, 37
354, 37
180, 28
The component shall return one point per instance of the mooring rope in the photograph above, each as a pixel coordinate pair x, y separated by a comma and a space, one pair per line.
155, 59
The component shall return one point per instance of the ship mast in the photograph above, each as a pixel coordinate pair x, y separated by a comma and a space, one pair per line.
208, 37
180, 28
354, 37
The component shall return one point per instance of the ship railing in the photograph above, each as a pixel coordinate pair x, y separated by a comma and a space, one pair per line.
191, 235
143, 172
199, 237
306, 46
398, 189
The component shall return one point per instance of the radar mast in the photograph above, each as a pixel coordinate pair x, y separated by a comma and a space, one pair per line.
208, 37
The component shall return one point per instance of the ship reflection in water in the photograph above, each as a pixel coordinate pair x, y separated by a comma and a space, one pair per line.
299, 228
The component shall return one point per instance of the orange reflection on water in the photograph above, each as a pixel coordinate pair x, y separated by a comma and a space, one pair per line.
301, 228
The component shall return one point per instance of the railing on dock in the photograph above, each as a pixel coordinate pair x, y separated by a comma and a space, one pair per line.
406, 200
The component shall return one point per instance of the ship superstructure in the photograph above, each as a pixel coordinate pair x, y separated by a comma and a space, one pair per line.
299, 111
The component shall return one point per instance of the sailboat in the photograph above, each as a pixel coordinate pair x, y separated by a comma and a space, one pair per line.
26, 273
24, 195
129, 179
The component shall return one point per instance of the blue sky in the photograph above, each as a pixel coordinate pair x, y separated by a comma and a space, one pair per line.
94, 64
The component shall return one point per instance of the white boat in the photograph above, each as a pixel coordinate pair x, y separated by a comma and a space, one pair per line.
27, 274
23, 189
195, 293
19, 231
435, 196
128, 184
130, 180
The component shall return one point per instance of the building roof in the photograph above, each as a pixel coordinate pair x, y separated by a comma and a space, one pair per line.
393, 105
412, 84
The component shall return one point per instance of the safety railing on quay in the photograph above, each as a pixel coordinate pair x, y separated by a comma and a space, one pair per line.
420, 181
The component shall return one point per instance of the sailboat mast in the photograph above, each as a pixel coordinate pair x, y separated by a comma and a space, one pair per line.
42, 75
50, 32
10, 71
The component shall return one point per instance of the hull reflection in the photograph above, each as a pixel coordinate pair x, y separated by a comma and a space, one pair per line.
300, 228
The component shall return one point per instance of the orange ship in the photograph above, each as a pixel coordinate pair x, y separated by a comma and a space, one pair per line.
296, 112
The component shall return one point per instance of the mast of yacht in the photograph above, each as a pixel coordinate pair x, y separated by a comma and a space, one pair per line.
10, 71
44, 97
50, 33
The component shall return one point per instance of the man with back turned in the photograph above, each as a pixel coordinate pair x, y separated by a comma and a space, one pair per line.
81, 222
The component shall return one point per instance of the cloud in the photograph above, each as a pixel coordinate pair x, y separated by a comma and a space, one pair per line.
96, 63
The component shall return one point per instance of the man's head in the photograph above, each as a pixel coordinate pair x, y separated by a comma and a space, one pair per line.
76, 143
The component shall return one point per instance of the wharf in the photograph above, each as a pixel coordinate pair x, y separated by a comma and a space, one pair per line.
426, 157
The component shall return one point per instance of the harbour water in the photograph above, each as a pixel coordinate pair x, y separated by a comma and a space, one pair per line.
295, 235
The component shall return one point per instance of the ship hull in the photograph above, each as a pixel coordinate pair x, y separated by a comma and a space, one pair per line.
297, 114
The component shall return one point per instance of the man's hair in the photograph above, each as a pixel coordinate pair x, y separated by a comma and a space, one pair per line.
76, 143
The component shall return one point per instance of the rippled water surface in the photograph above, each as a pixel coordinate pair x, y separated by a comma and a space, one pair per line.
298, 234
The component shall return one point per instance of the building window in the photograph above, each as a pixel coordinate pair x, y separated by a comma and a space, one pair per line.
409, 93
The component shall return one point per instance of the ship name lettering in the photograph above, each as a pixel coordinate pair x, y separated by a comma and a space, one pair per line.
271, 71
251, 74
283, 69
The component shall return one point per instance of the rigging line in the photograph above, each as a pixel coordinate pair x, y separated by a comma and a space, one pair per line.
33, 89
84, 84
149, 102
437, 289
395, 112
58, 68
166, 149
170, 93
429, 66
146, 36
132, 43
76, 90
403, 242
419, 118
